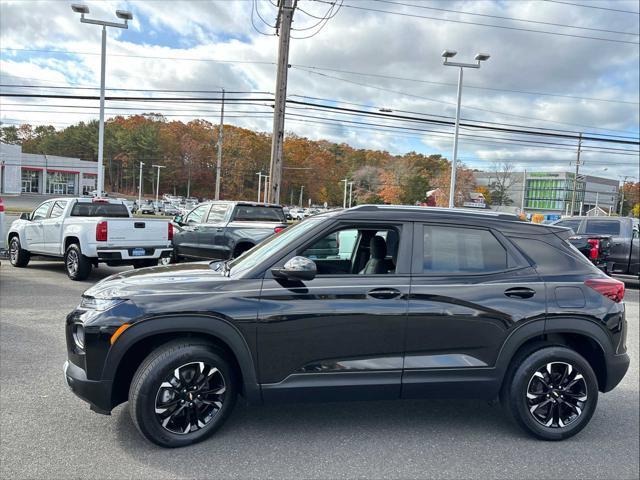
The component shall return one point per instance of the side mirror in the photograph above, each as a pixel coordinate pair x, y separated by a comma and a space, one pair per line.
25, 216
298, 268
178, 219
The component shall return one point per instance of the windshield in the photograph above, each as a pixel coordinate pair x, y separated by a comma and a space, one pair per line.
271, 246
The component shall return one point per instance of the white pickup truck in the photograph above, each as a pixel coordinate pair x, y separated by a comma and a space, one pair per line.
85, 231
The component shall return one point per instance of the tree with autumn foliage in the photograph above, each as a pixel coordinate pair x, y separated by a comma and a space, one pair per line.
465, 183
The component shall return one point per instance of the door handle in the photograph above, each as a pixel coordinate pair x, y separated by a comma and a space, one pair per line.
219, 229
384, 293
520, 292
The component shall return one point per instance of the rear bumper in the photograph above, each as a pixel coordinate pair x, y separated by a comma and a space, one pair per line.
617, 366
106, 254
96, 393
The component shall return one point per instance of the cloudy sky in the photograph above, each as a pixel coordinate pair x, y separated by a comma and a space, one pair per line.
567, 66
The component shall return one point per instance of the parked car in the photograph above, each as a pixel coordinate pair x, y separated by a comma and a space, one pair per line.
225, 229
171, 210
621, 232
2, 243
87, 231
147, 208
458, 304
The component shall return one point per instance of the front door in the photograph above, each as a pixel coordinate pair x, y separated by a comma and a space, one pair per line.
340, 335
212, 236
34, 230
187, 240
470, 288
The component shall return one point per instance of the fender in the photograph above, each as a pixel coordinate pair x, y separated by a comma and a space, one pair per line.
193, 323
518, 337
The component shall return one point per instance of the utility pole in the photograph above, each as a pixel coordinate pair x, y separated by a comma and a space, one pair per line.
350, 193
344, 198
575, 179
259, 183
140, 187
157, 182
219, 161
283, 28
624, 182
301, 192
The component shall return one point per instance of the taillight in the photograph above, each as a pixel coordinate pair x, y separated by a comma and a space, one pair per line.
170, 231
101, 232
609, 287
278, 229
595, 247
1, 206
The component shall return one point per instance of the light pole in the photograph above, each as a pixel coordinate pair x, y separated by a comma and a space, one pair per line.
301, 192
266, 188
140, 187
126, 16
259, 183
157, 183
350, 192
447, 55
344, 198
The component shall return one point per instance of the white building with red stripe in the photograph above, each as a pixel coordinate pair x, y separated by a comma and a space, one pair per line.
44, 174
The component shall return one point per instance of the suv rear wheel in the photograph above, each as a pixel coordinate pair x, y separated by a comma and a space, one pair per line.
181, 394
553, 393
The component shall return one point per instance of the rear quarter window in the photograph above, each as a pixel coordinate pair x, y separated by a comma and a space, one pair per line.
110, 210
553, 255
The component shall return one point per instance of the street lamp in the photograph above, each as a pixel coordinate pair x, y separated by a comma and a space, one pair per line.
123, 15
448, 55
157, 183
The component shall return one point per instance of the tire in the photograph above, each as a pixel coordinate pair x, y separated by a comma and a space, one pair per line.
564, 386
155, 384
78, 266
168, 260
17, 255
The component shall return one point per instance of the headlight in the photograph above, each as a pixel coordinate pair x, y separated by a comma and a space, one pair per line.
78, 335
100, 304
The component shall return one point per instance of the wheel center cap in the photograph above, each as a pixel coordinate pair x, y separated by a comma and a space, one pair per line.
190, 396
555, 393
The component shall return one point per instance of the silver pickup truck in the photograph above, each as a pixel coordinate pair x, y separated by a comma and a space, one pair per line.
223, 229
86, 231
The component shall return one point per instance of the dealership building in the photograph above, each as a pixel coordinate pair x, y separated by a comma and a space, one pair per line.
550, 193
44, 174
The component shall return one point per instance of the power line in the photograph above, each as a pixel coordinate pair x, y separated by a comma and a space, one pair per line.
375, 87
603, 39
593, 6
526, 20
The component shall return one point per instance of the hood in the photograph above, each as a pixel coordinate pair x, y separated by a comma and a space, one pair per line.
170, 279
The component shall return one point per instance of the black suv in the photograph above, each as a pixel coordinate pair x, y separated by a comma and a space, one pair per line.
374, 302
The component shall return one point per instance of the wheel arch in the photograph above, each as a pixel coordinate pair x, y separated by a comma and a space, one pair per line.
244, 244
584, 336
138, 341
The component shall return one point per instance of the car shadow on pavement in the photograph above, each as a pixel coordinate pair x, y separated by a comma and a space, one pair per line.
96, 275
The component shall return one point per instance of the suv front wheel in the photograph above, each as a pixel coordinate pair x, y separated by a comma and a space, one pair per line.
181, 394
553, 393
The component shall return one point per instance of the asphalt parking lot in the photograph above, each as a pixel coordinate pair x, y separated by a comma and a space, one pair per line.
46, 432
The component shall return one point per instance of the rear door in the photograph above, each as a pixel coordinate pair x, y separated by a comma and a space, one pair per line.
469, 289
52, 227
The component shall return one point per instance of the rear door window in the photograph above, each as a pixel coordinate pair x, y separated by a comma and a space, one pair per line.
603, 227
455, 250
57, 209
217, 213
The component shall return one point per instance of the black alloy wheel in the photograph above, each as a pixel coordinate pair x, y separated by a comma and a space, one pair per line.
557, 394
190, 397
551, 391
182, 393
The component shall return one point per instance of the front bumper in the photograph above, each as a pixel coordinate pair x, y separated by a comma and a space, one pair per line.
96, 393
617, 366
